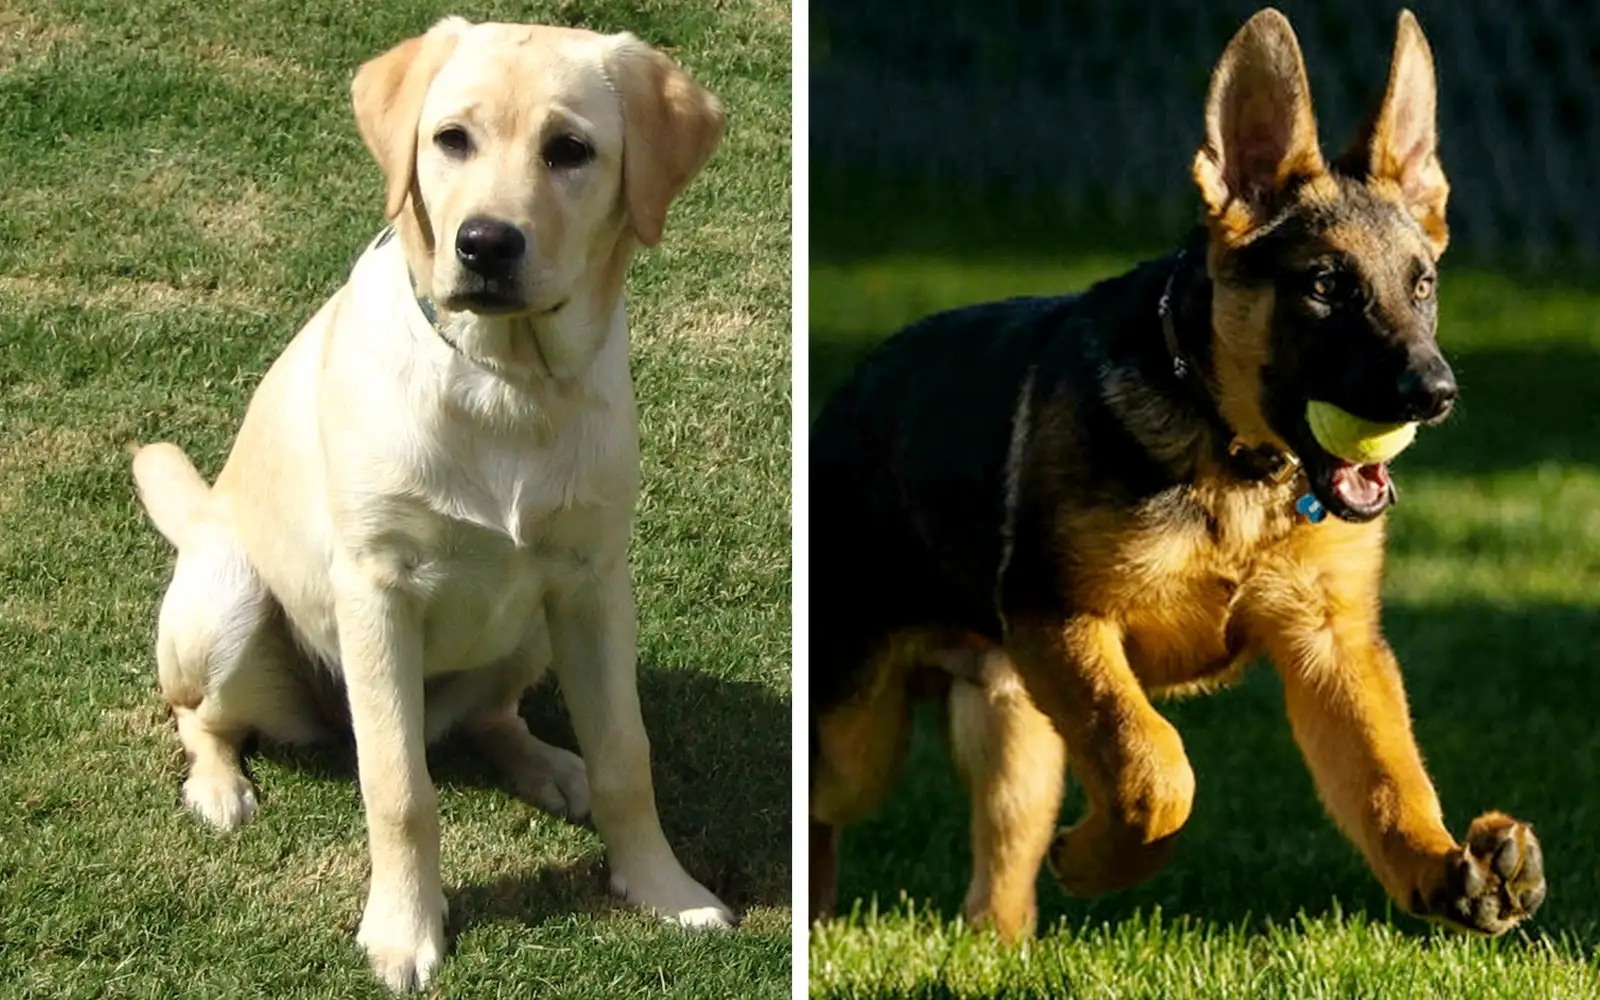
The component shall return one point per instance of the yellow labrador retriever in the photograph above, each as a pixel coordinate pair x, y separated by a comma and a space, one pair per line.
431, 495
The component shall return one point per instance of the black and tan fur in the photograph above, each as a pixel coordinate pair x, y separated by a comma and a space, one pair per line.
1025, 510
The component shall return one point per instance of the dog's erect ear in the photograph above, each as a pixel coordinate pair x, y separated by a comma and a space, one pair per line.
387, 95
1261, 134
1399, 141
673, 125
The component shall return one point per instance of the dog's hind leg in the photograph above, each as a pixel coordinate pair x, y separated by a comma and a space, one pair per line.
483, 704
225, 668
824, 869
222, 650
1013, 764
545, 776
857, 748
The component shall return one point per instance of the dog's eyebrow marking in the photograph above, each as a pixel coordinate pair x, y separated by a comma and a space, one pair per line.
1021, 428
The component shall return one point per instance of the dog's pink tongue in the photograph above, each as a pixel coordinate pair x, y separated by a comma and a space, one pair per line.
1361, 486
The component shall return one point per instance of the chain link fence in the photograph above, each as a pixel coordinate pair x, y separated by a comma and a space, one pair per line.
1097, 104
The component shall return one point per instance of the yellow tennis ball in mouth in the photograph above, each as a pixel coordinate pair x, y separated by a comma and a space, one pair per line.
1354, 439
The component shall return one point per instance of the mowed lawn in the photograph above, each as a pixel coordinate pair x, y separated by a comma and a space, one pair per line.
1492, 602
181, 185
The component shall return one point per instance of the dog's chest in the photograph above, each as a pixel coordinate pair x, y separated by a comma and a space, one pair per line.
512, 520
1177, 595
485, 598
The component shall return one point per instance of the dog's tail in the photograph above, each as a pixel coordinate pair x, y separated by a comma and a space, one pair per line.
170, 488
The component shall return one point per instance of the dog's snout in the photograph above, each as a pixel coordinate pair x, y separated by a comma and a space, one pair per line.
489, 247
1428, 389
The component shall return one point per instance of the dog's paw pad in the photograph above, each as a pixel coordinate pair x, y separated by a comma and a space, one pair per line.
1497, 880
223, 801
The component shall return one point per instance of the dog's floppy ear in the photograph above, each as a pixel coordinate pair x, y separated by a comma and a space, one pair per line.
1399, 141
673, 125
1261, 134
387, 95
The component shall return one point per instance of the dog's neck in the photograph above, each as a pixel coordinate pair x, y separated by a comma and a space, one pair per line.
1185, 314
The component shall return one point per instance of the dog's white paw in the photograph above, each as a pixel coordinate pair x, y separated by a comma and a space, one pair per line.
716, 917
677, 898
403, 946
225, 801
557, 782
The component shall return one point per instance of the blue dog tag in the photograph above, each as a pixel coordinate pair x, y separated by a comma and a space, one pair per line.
1311, 509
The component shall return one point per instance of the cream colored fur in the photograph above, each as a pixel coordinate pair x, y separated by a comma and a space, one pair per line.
437, 516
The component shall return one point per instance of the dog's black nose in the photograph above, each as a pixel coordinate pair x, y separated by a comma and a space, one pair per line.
489, 247
1427, 390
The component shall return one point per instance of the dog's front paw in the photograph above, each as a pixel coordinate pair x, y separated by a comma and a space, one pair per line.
225, 800
713, 917
403, 946
678, 898
1496, 881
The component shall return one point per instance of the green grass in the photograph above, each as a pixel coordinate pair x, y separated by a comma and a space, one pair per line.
1492, 601
181, 185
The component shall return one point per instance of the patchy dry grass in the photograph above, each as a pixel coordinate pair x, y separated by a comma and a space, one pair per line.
28, 40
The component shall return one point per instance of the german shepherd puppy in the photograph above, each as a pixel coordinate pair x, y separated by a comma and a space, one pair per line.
1044, 512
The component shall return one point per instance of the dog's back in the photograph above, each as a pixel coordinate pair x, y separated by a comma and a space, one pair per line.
913, 456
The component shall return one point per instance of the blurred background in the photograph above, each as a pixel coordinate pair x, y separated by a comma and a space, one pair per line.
1089, 105
965, 151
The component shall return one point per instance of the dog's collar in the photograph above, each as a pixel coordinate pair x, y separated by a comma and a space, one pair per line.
1181, 366
430, 312
425, 304
1254, 463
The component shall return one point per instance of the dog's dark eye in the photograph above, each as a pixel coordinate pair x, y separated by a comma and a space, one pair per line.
1424, 288
1329, 287
453, 140
567, 151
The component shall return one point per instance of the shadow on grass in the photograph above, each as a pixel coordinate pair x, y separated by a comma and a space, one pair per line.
720, 754
1502, 699
721, 765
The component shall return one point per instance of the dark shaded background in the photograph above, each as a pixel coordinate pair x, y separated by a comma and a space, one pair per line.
1093, 106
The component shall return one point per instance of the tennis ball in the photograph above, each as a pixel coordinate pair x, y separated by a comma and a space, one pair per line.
1353, 439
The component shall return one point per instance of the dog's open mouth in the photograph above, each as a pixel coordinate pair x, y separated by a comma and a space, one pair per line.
1362, 486
1350, 491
